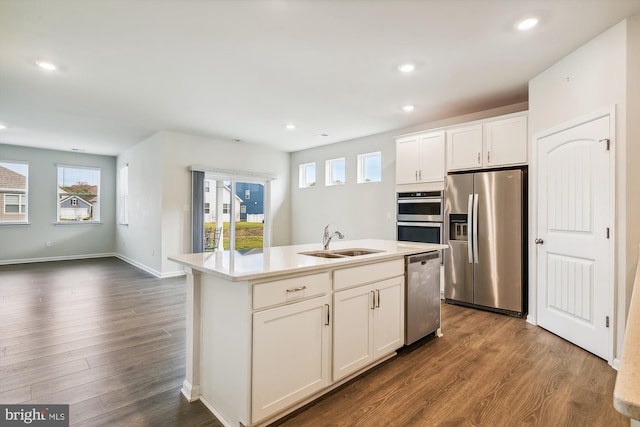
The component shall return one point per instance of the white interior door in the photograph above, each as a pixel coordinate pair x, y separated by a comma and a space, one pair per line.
573, 246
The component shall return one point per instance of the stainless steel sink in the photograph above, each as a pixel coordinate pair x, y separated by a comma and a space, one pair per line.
355, 252
341, 253
322, 254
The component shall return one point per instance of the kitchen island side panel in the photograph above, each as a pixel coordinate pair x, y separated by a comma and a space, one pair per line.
225, 356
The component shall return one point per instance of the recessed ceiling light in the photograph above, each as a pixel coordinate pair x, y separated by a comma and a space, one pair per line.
408, 108
407, 68
527, 23
290, 127
45, 65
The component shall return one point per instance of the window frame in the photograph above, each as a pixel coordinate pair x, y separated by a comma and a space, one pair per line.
23, 198
330, 172
96, 206
362, 159
21, 202
303, 175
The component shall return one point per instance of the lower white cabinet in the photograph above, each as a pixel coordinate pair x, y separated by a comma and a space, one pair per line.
368, 324
291, 354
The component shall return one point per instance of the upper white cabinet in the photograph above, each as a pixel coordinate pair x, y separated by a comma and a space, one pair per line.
420, 158
464, 147
494, 143
505, 141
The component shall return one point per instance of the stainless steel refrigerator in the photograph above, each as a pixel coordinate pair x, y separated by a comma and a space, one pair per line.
485, 228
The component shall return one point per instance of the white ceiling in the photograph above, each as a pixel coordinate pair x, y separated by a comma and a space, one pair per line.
242, 69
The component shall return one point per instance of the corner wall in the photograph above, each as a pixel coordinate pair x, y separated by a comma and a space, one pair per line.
26, 243
592, 78
160, 185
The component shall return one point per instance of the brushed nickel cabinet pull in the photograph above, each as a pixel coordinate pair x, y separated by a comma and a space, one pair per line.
328, 320
377, 298
301, 288
478, 158
373, 300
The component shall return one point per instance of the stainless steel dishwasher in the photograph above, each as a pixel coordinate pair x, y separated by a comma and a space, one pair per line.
422, 295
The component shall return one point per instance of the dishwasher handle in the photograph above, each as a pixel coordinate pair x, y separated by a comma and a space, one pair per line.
423, 258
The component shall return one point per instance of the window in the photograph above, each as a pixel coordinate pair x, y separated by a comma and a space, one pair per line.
226, 208
335, 172
370, 167
14, 180
207, 208
78, 194
247, 194
123, 196
307, 172
243, 209
207, 186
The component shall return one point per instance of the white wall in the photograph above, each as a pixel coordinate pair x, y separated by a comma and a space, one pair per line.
140, 242
158, 170
590, 79
24, 243
360, 211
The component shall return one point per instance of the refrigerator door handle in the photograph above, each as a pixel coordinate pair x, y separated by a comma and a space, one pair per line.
470, 235
475, 228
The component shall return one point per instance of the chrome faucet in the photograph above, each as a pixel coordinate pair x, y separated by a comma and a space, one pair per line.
326, 237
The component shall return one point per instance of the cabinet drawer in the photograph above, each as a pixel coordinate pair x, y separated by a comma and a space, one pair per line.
354, 276
286, 290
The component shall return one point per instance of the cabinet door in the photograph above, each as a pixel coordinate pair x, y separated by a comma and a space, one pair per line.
505, 142
388, 316
431, 157
352, 330
291, 354
407, 160
464, 148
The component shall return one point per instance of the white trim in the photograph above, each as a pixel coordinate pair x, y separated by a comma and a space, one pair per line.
150, 270
216, 413
609, 111
223, 174
56, 258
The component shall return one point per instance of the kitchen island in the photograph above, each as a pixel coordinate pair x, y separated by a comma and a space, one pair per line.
272, 329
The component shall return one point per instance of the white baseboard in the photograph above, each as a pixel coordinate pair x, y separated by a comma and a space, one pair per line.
55, 258
136, 264
616, 364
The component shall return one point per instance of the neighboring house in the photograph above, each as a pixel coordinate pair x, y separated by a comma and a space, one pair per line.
76, 202
252, 196
75, 208
13, 200
210, 203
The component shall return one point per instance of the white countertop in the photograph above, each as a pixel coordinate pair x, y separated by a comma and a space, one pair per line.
255, 264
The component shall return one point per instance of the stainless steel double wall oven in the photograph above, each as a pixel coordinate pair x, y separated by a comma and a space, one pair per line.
420, 216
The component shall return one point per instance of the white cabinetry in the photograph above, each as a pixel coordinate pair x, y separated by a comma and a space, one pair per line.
368, 319
291, 351
505, 141
420, 158
291, 354
464, 147
494, 143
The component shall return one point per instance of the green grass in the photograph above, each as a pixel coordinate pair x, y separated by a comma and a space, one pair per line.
249, 235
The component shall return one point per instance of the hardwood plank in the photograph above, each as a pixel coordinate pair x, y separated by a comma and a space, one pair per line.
109, 339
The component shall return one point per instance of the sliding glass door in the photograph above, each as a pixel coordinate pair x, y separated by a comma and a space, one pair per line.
234, 214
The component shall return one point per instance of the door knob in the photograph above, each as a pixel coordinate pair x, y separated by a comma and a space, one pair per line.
539, 241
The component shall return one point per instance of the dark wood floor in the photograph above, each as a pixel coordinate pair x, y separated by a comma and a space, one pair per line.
108, 339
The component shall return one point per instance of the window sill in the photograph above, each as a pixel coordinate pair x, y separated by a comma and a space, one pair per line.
14, 223
74, 223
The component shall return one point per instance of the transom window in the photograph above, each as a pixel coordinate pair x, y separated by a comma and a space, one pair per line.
307, 175
335, 172
370, 167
